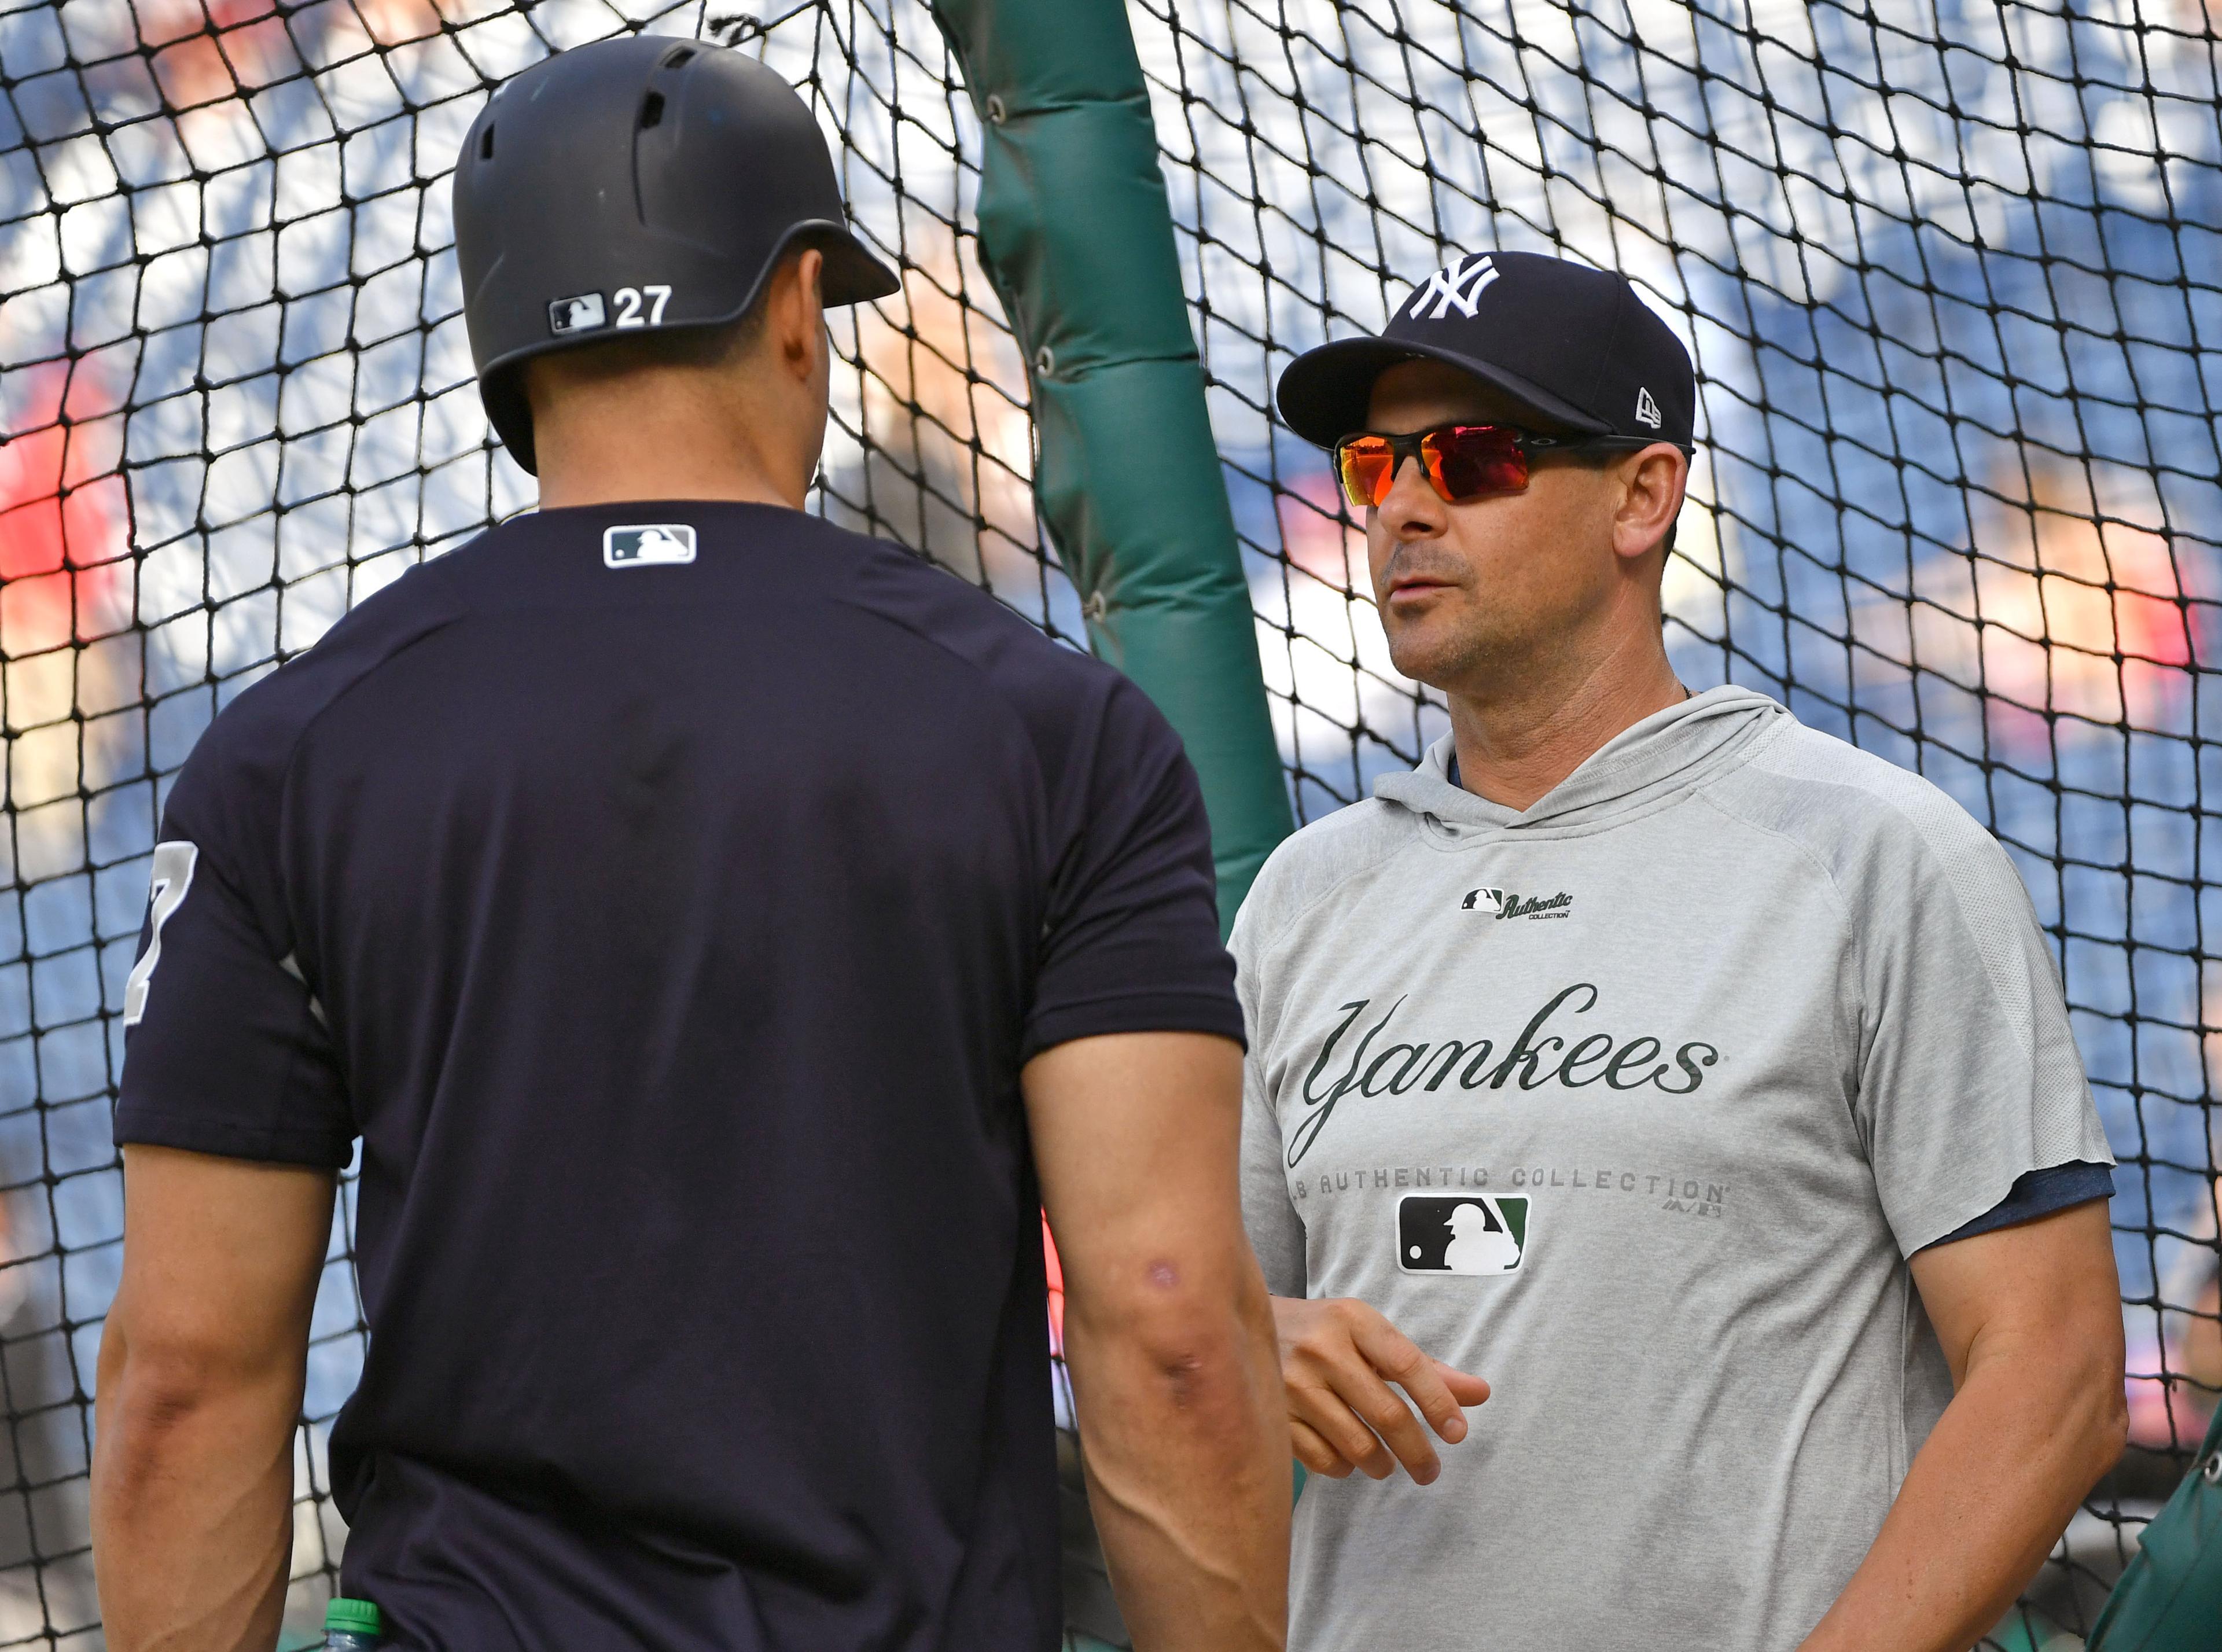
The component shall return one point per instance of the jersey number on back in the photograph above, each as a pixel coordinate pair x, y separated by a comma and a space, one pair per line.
173, 876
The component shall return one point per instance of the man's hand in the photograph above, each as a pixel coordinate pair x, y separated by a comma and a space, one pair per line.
1167, 1335
201, 1368
1337, 1359
2030, 1322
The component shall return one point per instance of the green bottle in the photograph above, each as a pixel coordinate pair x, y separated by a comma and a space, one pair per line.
350, 1626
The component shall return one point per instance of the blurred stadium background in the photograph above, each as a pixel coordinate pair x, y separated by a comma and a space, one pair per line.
1947, 269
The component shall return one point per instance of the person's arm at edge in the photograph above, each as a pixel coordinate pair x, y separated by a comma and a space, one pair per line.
2030, 1318
202, 1363
1167, 1337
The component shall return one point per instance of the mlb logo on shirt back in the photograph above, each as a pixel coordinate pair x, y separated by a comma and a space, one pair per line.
643, 547
1476, 1233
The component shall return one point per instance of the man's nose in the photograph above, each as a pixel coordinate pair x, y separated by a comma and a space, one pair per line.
1412, 507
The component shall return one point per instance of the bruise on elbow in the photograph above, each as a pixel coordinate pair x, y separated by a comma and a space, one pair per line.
1168, 1321
1197, 1376
1192, 1343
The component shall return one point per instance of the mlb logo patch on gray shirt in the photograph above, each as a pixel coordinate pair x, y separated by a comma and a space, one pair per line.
1474, 1234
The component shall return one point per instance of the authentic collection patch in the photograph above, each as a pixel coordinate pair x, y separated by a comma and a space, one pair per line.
1479, 1234
1496, 903
647, 545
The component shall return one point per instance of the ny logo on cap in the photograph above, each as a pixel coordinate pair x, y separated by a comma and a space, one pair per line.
1457, 286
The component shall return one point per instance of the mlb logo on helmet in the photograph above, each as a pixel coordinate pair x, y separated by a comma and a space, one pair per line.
578, 315
1479, 1234
645, 546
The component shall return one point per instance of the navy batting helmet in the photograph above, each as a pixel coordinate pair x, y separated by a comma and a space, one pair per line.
636, 182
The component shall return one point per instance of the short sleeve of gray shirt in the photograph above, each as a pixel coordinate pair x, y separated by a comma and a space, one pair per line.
1968, 1074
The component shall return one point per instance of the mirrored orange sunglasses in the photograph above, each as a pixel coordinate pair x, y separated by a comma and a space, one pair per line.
1461, 462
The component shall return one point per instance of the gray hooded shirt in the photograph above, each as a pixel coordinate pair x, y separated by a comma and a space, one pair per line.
1636, 1103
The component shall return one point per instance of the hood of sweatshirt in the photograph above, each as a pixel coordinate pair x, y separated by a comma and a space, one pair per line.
1668, 752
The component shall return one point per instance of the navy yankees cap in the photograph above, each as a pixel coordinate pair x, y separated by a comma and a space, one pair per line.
1572, 345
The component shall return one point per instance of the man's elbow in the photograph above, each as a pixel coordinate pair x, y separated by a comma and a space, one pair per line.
1198, 1370
2106, 1430
146, 1427
147, 1405
2092, 1412
157, 1388
1189, 1351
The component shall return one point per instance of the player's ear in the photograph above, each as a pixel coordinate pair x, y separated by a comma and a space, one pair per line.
1652, 482
795, 314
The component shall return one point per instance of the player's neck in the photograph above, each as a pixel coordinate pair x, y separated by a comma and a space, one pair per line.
1521, 732
619, 444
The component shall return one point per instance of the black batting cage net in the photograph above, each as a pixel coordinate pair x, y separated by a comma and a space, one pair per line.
1946, 267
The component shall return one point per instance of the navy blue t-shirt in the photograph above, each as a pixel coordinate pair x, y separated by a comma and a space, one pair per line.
668, 896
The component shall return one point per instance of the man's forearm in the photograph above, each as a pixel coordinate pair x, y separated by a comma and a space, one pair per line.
1187, 1469
2021, 1444
193, 1491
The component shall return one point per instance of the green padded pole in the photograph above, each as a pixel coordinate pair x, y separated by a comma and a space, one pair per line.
1077, 235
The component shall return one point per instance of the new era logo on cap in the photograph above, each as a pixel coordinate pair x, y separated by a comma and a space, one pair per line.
1647, 411
645, 547
578, 315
